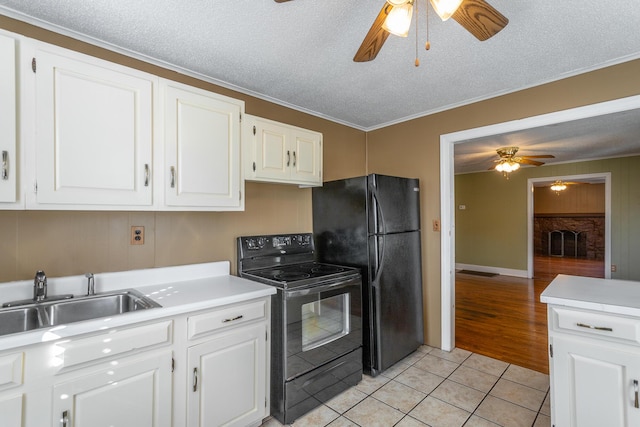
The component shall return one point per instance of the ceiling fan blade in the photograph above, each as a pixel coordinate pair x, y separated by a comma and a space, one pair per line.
529, 162
480, 19
375, 38
541, 156
281, 1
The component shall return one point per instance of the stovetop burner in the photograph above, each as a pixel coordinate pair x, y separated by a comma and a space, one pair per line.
286, 261
291, 276
297, 275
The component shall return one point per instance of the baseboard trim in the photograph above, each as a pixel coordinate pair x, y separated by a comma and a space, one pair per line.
490, 269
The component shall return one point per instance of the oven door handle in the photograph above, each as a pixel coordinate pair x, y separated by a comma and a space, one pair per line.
318, 289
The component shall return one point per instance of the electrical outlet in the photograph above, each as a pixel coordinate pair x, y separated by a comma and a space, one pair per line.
137, 235
436, 225
614, 268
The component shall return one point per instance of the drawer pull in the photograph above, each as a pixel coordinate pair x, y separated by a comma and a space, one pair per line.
597, 328
636, 403
5, 165
232, 319
195, 379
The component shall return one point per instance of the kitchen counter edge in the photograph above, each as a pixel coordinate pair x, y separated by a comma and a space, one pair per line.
179, 290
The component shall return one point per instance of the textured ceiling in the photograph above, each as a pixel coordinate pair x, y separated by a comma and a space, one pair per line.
299, 54
599, 137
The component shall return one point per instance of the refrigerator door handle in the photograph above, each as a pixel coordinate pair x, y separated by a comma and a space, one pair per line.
380, 225
379, 254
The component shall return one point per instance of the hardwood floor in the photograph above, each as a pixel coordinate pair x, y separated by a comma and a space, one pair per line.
502, 316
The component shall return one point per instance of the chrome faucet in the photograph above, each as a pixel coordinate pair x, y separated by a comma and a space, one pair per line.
40, 286
91, 287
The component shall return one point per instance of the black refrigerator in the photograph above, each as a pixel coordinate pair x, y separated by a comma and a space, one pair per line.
373, 222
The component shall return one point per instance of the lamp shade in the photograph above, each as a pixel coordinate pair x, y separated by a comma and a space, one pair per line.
445, 8
399, 19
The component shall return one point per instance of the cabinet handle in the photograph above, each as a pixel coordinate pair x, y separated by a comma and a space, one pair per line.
173, 177
146, 174
64, 421
597, 328
288, 158
195, 379
636, 403
5, 165
294, 159
233, 318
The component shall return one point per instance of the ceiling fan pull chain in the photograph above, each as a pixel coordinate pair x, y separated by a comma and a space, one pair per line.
417, 62
427, 45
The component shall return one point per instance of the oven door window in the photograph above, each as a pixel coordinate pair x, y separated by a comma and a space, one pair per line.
324, 320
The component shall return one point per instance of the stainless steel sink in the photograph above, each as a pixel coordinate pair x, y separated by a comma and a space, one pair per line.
96, 306
19, 320
40, 315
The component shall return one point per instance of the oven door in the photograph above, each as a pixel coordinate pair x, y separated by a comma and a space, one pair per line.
323, 322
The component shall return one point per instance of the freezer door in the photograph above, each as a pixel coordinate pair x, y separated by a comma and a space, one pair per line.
340, 222
394, 204
396, 276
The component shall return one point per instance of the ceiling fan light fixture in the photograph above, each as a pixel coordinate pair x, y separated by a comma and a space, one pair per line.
558, 186
507, 166
399, 19
445, 8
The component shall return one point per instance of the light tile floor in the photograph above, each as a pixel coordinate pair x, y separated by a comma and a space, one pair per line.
439, 389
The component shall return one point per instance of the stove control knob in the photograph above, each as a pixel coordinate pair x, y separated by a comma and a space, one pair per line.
261, 242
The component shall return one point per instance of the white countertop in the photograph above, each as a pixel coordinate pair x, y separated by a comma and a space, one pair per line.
606, 295
178, 290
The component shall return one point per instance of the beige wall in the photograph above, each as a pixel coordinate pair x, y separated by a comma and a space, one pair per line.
407, 149
413, 149
67, 243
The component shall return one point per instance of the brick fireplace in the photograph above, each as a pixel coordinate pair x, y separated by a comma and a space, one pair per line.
567, 235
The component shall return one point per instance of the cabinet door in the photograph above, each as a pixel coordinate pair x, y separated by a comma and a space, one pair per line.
93, 131
307, 157
11, 410
277, 152
228, 379
8, 164
593, 384
202, 148
129, 393
273, 157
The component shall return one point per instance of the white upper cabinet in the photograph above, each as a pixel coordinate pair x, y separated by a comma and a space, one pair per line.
8, 126
93, 124
276, 152
201, 149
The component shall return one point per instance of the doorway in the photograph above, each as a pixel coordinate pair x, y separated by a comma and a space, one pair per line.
579, 229
447, 191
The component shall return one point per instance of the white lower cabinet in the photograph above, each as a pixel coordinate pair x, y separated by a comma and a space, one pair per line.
11, 410
228, 379
227, 366
206, 368
135, 392
11, 390
595, 368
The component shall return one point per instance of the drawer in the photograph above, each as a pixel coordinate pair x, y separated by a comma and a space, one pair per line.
597, 324
202, 324
113, 343
11, 370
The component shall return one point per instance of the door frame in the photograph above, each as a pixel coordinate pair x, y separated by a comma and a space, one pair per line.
606, 176
447, 190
